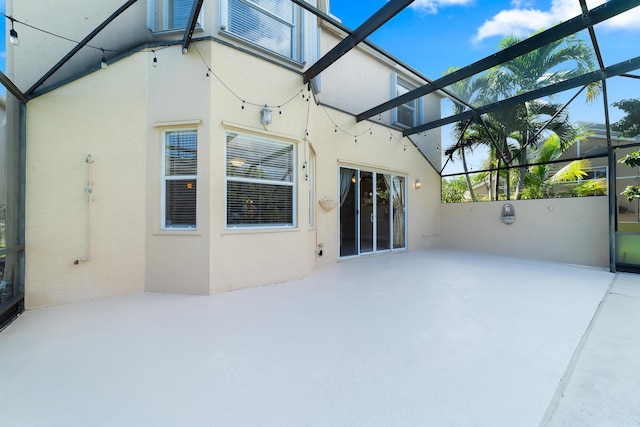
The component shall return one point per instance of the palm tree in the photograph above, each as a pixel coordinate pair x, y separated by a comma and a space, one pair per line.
513, 131
555, 62
467, 134
543, 180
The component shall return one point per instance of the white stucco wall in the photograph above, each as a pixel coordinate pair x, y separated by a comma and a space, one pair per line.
98, 115
242, 258
119, 114
362, 79
179, 98
573, 230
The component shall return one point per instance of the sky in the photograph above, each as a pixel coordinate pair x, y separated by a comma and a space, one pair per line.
433, 35
446, 33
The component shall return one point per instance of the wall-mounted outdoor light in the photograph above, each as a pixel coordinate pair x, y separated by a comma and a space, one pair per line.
265, 116
508, 214
418, 184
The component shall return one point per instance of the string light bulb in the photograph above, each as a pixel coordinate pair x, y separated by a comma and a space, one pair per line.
155, 59
13, 34
103, 62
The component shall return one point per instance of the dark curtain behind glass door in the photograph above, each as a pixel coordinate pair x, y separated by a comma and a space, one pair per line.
349, 202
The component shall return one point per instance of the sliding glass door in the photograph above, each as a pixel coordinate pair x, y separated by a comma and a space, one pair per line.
372, 212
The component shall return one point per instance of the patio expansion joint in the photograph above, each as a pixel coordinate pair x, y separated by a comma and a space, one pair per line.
559, 393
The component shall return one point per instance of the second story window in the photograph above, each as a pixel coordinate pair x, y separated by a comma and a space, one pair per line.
408, 114
168, 15
274, 25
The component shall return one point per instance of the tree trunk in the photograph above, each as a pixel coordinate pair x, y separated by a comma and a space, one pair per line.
498, 180
523, 172
466, 175
490, 185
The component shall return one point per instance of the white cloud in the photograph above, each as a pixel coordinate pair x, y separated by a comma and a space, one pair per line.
522, 20
432, 6
519, 22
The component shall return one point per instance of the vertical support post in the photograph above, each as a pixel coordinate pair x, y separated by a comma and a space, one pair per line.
613, 197
613, 210
22, 198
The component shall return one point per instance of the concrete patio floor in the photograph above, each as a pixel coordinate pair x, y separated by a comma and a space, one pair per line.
423, 338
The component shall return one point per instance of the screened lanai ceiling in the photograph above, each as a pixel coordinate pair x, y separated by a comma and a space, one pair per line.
590, 25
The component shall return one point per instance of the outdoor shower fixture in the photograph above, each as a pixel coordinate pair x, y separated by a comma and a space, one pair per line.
89, 190
508, 214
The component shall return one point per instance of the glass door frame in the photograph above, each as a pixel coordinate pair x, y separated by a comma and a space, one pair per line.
375, 174
625, 241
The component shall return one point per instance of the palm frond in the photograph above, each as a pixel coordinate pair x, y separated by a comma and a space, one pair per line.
591, 187
571, 172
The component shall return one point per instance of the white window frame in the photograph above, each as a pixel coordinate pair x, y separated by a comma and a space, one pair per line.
158, 18
416, 104
166, 178
297, 51
311, 178
595, 169
293, 184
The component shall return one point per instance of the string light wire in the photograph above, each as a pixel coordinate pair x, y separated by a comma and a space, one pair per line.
102, 50
338, 128
210, 72
12, 19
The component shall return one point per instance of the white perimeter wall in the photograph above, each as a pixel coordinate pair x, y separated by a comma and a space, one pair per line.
571, 230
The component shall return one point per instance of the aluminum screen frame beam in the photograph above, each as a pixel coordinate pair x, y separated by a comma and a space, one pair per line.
191, 25
378, 19
595, 16
11, 87
585, 79
79, 46
320, 14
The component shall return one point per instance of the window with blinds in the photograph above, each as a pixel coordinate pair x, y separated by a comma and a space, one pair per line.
179, 12
260, 182
180, 179
269, 24
167, 15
